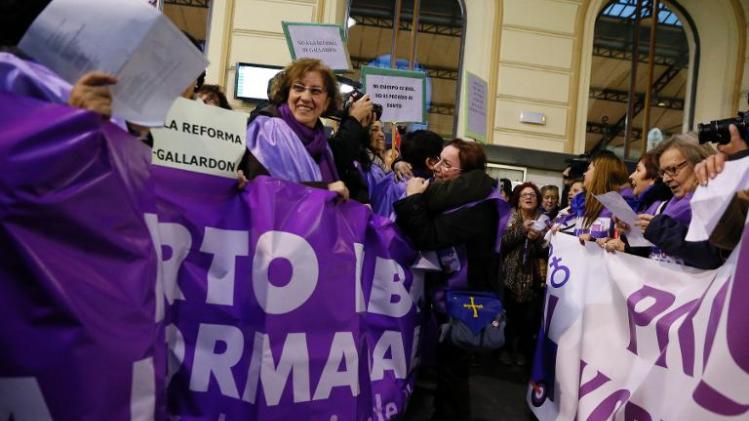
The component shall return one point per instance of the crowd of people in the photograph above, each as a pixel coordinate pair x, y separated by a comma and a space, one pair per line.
440, 196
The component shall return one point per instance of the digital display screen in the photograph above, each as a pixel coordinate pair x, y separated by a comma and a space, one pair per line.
251, 81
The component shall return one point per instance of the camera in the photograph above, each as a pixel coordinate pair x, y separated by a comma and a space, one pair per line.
717, 130
352, 96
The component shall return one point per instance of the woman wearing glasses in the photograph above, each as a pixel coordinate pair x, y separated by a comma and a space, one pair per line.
667, 227
454, 211
286, 139
522, 271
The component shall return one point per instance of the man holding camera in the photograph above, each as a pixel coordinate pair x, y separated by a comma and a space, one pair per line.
727, 233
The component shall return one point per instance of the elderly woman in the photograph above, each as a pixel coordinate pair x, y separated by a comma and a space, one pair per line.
286, 139
667, 227
463, 218
523, 260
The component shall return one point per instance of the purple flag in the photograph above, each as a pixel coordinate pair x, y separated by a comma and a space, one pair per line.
78, 270
283, 304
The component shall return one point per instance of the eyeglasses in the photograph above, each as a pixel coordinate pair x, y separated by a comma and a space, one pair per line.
315, 91
673, 170
528, 196
441, 163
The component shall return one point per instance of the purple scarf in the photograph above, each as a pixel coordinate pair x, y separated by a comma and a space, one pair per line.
679, 209
314, 141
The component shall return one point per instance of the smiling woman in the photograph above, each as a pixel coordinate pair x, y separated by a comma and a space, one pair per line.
285, 139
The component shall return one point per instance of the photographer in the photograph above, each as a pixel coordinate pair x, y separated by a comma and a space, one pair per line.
350, 142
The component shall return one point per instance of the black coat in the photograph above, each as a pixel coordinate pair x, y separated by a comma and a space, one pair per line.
422, 219
669, 235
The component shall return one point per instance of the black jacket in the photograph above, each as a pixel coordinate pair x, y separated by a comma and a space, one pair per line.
348, 145
422, 219
669, 235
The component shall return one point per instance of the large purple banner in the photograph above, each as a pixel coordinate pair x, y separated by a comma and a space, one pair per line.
78, 270
283, 303
275, 302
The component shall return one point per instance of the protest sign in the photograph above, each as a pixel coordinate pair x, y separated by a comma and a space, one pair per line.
474, 106
282, 303
79, 299
275, 301
625, 337
201, 138
401, 93
324, 42
153, 62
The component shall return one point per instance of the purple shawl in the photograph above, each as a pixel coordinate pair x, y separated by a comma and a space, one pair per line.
315, 142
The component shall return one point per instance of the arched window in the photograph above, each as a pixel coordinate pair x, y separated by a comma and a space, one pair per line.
439, 45
611, 88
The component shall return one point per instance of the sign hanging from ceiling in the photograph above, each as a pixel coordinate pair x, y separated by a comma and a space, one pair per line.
324, 42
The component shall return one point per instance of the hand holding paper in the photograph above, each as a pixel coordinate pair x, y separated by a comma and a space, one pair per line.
151, 59
614, 202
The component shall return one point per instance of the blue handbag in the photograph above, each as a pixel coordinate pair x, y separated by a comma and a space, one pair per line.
477, 320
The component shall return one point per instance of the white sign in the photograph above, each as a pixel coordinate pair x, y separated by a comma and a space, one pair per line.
201, 138
152, 60
476, 105
401, 94
323, 42
711, 201
627, 335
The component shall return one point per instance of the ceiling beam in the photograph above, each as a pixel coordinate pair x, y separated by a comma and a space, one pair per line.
203, 4
434, 72
616, 95
405, 25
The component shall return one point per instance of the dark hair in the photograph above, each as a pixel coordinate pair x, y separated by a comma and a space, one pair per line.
417, 146
216, 90
515, 200
651, 165
470, 154
506, 186
281, 83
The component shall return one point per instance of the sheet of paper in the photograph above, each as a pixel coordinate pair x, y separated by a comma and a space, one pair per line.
614, 202
201, 138
710, 202
153, 61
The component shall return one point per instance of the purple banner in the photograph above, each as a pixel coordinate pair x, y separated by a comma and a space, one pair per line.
276, 301
78, 270
282, 302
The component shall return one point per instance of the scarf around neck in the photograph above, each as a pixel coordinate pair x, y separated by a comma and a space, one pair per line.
314, 141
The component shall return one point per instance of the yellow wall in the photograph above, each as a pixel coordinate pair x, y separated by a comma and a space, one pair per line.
250, 31
535, 55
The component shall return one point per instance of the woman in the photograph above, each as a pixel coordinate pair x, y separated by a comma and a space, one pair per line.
606, 172
471, 222
382, 187
377, 148
667, 227
550, 200
523, 260
286, 139
567, 218
649, 194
